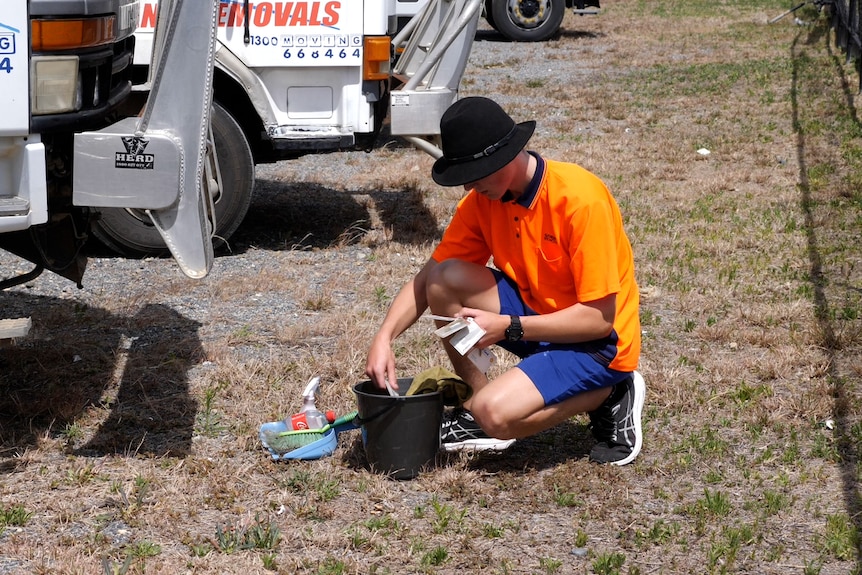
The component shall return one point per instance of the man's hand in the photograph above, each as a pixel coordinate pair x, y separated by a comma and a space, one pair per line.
380, 364
494, 325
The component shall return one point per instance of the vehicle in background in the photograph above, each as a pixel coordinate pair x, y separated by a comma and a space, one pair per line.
518, 20
311, 76
71, 145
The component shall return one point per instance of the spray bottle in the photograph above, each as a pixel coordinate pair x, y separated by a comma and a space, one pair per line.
309, 417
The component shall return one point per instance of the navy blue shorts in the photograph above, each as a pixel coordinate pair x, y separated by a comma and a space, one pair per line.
559, 371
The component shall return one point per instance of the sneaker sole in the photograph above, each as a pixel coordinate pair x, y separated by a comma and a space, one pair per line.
478, 445
637, 409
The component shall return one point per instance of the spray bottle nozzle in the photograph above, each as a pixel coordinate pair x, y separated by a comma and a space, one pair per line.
311, 389
310, 417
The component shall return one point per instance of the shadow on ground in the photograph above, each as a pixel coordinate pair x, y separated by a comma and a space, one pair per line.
286, 216
567, 442
301, 215
494, 36
833, 291
81, 362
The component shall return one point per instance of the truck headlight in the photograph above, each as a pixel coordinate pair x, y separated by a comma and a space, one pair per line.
54, 84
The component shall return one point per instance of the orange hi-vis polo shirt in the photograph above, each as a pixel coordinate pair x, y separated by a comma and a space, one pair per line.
565, 246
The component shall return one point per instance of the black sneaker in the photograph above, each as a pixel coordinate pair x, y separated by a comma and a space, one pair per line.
616, 425
460, 431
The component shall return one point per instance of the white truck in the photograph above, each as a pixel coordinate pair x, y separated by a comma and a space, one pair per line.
70, 145
518, 20
294, 77
533, 20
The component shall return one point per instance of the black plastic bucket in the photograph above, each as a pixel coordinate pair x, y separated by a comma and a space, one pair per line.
401, 434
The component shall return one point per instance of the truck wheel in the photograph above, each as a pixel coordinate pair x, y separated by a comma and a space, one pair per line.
131, 232
527, 20
489, 14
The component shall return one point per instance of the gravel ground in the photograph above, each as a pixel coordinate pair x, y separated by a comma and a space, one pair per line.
110, 281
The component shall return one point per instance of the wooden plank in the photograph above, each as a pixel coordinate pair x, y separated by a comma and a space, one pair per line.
13, 328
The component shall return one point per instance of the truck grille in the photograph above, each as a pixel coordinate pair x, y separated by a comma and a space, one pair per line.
105, 77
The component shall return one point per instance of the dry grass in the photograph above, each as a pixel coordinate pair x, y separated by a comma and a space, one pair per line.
129, 429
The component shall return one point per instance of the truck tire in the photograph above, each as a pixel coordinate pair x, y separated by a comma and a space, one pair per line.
131, 232
489, 14
527, 20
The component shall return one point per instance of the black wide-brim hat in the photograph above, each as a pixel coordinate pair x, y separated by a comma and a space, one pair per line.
478, 138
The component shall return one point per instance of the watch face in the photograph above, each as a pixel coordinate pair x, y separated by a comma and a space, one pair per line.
514, 332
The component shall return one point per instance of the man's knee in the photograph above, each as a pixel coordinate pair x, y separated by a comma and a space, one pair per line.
492, 419
445, 274
447, 280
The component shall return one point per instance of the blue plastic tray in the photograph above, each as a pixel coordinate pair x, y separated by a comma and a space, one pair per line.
315, 450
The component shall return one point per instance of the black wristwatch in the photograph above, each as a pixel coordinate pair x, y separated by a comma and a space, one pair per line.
514, 332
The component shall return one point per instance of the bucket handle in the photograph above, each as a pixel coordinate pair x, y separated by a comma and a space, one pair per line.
353, 421
346, 422
359, 421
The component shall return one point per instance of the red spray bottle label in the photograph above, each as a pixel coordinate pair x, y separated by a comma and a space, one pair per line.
310, 420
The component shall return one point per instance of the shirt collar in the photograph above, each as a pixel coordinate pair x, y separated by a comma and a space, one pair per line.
526, 199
